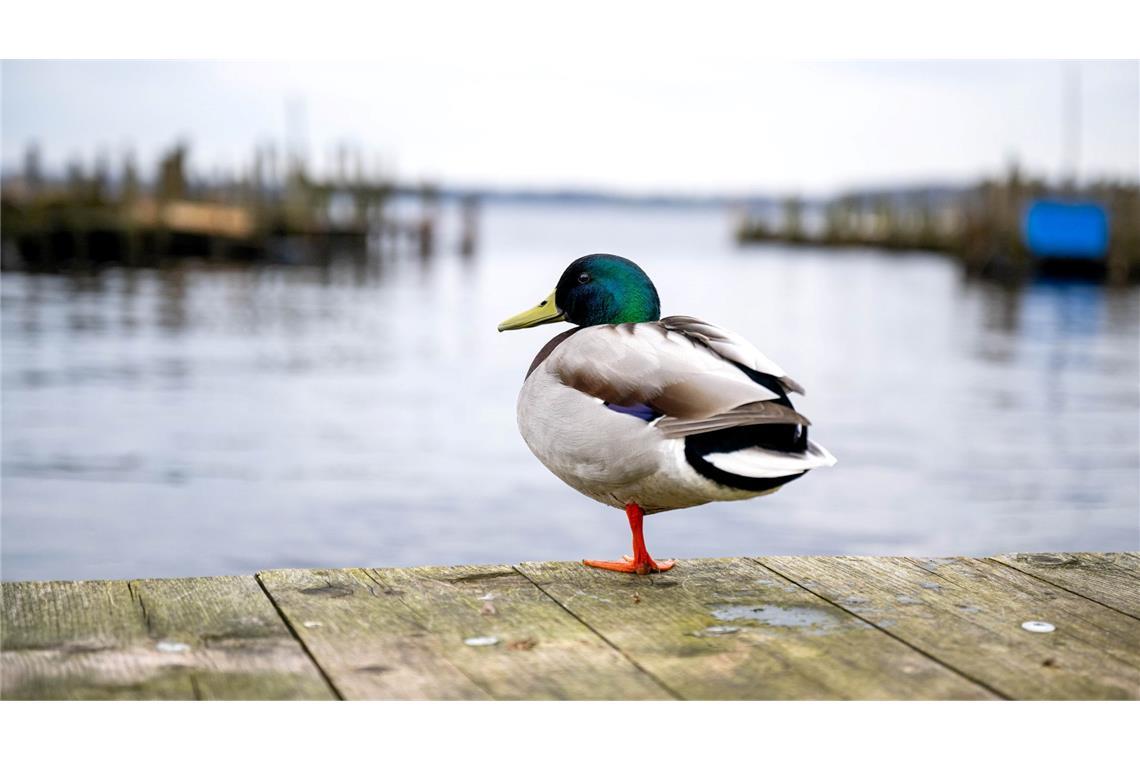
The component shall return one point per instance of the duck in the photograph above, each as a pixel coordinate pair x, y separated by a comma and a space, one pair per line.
649, 414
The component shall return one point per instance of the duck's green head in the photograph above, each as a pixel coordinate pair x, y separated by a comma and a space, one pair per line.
595, 290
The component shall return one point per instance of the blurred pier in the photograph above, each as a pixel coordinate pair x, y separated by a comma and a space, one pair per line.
91, 218
984, 226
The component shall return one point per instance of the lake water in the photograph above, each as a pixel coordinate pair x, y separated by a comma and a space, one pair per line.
208, 422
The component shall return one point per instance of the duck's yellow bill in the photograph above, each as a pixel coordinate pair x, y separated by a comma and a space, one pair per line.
545, 312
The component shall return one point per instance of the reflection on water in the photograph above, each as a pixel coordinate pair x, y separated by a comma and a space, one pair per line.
207, 422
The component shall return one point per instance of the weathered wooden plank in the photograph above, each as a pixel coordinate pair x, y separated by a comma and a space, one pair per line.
709, 629
365, 639
239, 648
527, 646
78, 614
968, 614
192, 638
731, 629
82, 640
1113, 579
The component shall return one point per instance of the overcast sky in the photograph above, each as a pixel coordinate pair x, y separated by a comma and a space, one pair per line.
728, 124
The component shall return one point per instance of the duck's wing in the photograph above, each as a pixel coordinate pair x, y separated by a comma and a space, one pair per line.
732, 347
693, 377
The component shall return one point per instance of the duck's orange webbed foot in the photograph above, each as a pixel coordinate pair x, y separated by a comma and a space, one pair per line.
640, 563
630, 566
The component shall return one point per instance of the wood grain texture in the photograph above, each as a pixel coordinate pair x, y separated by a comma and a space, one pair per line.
192, 638
368, 642
968, 614
540, 650
82, 640
1113, 579
731, 629
239, 646
775, 627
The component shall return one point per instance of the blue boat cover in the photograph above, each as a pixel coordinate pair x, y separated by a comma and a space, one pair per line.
1055, 229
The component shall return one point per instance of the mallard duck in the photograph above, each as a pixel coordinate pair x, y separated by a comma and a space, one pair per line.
648, 414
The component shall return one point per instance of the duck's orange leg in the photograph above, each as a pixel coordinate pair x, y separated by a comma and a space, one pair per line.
640, 563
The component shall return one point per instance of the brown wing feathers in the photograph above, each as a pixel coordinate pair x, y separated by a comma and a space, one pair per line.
704, 384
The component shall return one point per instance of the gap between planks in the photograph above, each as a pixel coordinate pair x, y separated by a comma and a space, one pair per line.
665, 687
420, 611
1043, 577
300, 642
1070, 665
919, 650
371, 572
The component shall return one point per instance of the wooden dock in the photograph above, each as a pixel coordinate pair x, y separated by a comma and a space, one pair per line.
1029, 626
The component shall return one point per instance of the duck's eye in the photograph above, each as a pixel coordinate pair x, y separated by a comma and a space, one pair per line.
584, 277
